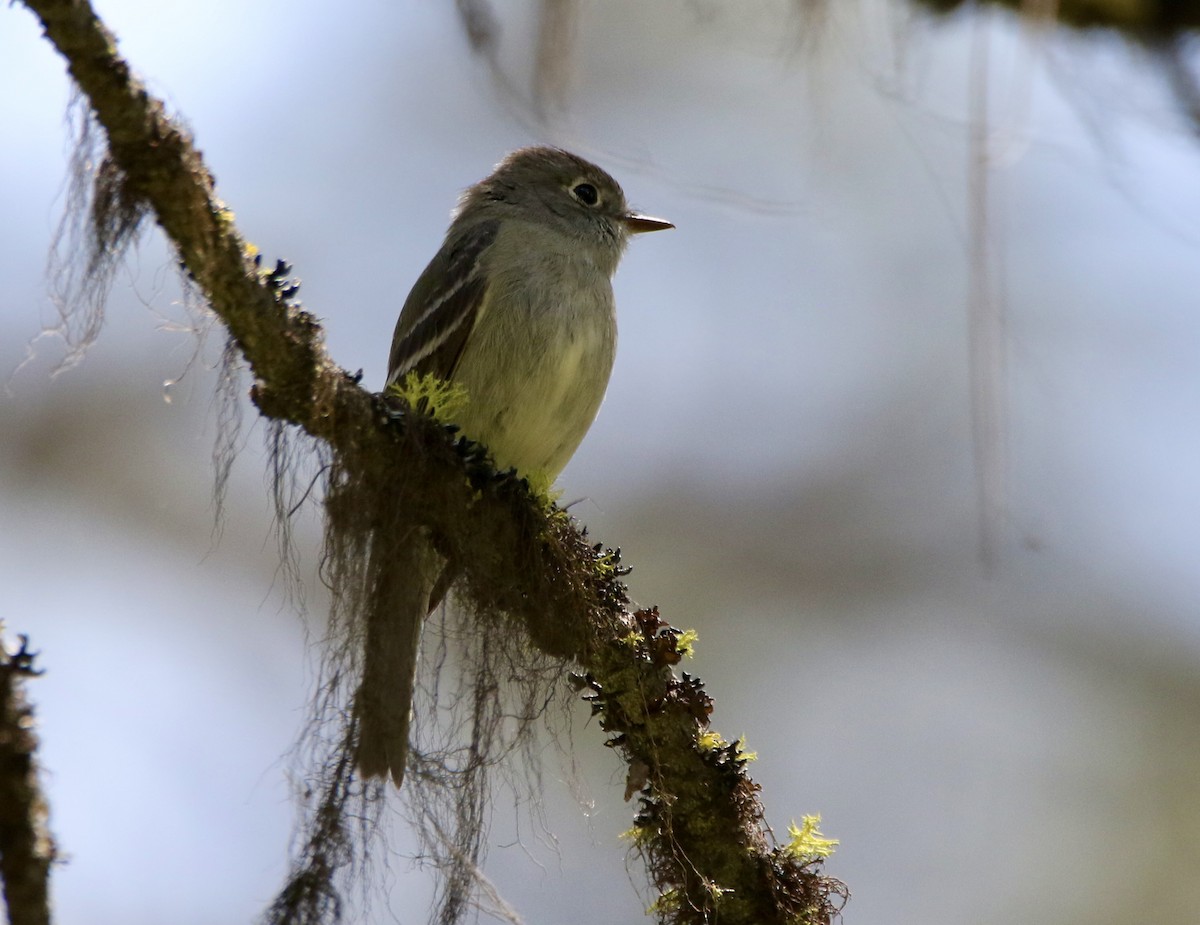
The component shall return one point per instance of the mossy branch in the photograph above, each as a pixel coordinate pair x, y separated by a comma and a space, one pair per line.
700, 825
26, 848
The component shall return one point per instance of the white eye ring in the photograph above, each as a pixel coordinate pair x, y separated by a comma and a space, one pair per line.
586, 193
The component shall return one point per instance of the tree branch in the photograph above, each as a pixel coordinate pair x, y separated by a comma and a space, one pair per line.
700, 824
1136, 20
26, 848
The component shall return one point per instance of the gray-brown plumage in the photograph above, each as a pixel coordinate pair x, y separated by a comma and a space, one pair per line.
517, 307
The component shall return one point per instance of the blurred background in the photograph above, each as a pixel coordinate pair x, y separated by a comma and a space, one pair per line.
914, 257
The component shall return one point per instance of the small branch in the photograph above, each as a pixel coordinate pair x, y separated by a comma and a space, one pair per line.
26, 848
1135, 19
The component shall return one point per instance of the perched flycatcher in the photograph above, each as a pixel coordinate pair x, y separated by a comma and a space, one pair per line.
517, 308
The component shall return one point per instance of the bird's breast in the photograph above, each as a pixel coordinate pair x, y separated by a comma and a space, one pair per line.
536, 370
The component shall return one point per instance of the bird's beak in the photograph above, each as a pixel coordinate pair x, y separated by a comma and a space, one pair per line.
637, 224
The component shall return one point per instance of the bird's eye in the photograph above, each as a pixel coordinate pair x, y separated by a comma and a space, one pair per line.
585, 193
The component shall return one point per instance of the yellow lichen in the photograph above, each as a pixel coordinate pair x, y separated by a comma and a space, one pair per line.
806, 841
441, 399
710, 740
744, 755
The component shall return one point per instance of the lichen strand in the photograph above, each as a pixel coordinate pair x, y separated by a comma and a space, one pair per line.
410, 472
151, 163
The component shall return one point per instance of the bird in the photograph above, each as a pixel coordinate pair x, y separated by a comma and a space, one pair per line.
517, 310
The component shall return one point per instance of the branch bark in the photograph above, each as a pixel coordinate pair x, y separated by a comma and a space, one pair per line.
700, 825
26, 848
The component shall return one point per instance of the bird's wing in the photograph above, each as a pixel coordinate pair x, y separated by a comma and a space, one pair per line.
441, 311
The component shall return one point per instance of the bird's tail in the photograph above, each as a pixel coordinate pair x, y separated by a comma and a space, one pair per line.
398, 605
